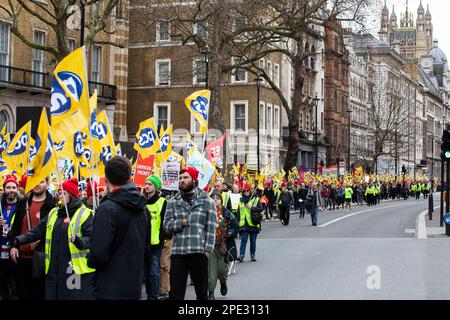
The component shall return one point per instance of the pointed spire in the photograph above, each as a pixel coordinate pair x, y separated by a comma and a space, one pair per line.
393, 15
428, 14
420, 9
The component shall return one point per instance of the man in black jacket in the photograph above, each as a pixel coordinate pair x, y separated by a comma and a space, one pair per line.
28, 214
121, 229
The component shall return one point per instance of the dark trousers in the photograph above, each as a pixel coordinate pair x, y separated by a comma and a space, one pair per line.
269, 211
302, 209
180, 266
152, 273
27, 287
7, 283
284, 214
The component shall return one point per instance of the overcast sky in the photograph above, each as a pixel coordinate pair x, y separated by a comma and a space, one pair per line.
439, 10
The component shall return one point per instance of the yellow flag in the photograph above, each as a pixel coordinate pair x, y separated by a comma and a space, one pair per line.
147, 141
70, 96
44, 163
106, 139
4, 143
96, 128
16, 157
165, 140
198, 105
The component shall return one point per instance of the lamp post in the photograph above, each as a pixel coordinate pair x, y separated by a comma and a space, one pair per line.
349, 140
316, 151
396, 148
82, 9
258, 81
207, 55
432, 156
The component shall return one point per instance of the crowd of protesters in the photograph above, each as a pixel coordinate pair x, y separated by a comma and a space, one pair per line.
108, 243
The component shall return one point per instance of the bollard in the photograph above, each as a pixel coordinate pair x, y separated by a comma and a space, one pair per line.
430, 207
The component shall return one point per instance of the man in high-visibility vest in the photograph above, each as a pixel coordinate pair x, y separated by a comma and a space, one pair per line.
249, 229
66, 235
156, 205
370, 192
348, 192
418, 190
219, 188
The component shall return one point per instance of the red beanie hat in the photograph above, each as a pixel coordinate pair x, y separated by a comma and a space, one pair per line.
283, 184
10, 178
71, 186
23, 181
193, 172
89, 192
246, 187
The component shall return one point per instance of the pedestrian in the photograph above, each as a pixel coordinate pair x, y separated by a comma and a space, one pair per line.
30, 279
156, 206
296, 198
66, 232
250, 209
121, 232
302, 192
10, 202
225, 194
325, 196
348, 193
226, 231
314, 202
270, 195
284, 204
191, 217
89, 199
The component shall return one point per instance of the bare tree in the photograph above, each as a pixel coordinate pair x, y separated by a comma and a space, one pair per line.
55, 16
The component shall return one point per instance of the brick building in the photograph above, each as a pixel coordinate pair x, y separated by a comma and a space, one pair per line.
25, 73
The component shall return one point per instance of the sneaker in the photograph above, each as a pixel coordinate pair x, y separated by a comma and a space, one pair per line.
253, 258
223, 288
164, 296
240, 259
211, 296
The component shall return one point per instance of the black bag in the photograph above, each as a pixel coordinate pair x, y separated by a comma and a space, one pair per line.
256, 216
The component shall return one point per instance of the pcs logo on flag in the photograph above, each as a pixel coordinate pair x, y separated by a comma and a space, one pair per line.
146, 138
20, 146
199, 105
60, 102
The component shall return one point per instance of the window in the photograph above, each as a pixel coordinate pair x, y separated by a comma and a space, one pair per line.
163, 31
238, 75
4, 119
195, 125
238, 23
4, 51
161, 113
96, 61
262, 117
38, 59
269, 69
162, 72
201, 29
239, 116
199, 72
276, 74
313, 58
269, 119
119, 9
262, 65
71, 44
276, 118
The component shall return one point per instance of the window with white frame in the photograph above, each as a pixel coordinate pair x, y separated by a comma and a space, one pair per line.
238, 75
201, 29
38, 59
269, 119
163, 31
269, 69
239, 116
96, 63
262, 65
199, 72
276, 74
71, 44
161, 113
4, 51
195, 125
276, 119
238, 23
262, 117
162, 72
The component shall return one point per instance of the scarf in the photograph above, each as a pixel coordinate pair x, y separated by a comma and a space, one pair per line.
188, 195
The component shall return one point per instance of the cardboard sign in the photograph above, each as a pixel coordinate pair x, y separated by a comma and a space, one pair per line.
144, 168
171, 176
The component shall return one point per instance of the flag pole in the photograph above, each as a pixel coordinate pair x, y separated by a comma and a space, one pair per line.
62, 189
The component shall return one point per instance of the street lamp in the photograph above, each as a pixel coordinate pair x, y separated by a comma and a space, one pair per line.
258, 81
396, 148
82, 9
349, 141
207, 53
432, 156
316, 158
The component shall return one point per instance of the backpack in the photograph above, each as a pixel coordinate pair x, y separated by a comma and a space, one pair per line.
309, 200
255, 214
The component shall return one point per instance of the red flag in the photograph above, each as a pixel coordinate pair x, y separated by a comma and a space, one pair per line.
214, 150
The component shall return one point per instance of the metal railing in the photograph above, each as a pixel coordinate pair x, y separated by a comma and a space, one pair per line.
40, 80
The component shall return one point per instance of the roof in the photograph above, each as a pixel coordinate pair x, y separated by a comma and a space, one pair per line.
438, 55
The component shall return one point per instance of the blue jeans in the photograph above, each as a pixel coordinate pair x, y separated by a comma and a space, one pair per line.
314, 215
244, 235
152, 272
302, 208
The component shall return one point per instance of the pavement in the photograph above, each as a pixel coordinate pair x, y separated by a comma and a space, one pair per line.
367, 253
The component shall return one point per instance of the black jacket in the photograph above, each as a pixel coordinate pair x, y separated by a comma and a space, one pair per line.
48, 205
121, 231
162, 234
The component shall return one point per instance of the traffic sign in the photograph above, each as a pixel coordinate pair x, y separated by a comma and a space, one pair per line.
447, 218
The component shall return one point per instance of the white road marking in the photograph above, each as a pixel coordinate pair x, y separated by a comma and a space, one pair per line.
355, 213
